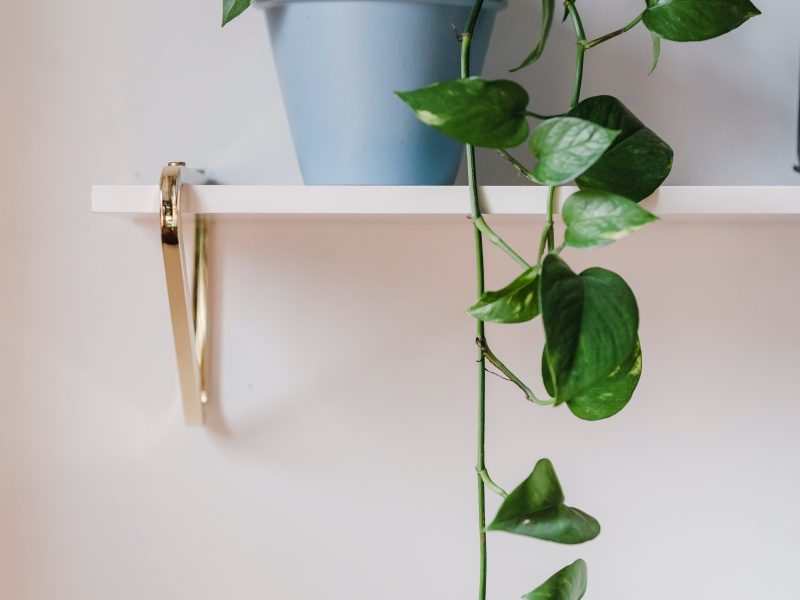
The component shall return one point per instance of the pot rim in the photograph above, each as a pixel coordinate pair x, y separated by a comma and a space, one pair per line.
495, 5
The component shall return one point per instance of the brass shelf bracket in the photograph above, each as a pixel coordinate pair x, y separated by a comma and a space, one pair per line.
187, 294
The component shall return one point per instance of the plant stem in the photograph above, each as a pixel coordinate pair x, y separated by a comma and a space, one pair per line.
466, 41
492, 485
529, 395
536, 115
481, 224
548, 233
581, 37
613, 34
517, 165
551, 231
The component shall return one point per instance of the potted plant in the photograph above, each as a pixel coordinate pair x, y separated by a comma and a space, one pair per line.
339, 63
592, 358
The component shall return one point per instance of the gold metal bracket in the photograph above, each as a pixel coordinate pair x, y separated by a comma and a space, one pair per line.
187, 295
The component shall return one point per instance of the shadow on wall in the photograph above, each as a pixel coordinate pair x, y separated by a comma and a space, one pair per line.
345, 284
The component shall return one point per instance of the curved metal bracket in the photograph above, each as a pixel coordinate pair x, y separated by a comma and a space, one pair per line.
797, 166
188, 310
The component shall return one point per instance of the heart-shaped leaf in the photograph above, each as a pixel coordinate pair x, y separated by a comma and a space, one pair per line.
609, 397
566, 147
590, 323
597, 218
568, 584
516, 303
232, 9
548, 7
638, 161
606, 398
696, 20
474, 111
536, 509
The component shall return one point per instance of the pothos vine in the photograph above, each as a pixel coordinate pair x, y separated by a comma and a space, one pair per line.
592, 359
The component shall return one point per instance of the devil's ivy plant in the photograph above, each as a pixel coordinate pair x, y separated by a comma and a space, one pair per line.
592, 358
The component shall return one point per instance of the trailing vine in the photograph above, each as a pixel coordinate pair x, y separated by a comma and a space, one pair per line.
592, 358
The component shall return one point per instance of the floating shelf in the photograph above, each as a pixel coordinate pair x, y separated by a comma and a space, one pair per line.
430, 200
183, 190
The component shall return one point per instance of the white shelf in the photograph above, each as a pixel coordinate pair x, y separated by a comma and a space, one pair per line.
434, 200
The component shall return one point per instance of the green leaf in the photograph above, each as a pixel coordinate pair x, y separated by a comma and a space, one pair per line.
548, 7
606, 398
232, 9
566, 147
568, 584
597, 218
474, 111
590, 323
638, 161
547, 374
610, 396
656, 52
536, 509
696, 20
516, 303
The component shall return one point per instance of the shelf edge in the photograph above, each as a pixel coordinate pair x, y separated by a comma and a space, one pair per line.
434, 200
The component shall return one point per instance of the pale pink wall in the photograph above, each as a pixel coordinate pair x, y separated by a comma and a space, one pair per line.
338, 460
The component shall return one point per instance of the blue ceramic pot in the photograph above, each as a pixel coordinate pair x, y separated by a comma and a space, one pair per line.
339, 63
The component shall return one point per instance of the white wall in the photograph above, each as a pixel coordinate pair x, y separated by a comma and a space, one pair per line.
338, 458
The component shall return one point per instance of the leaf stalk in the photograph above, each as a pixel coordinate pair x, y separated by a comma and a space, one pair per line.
523, 170
613, 34
529, 394
481, 224
541, 117
484, 475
